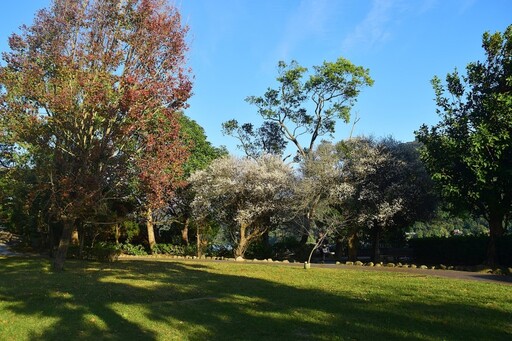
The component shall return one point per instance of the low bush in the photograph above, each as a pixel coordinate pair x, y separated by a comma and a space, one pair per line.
104, 252
133, 250
175, 250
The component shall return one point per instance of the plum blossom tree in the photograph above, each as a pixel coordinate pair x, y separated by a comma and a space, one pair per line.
319, 190
243, 195
391, 188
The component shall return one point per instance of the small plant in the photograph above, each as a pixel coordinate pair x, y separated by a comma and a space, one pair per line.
133, 250
105, 252
175, 249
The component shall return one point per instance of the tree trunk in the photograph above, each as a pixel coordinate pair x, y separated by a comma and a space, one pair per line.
242, 243
265, 239
151, 229
65, 239
82, 242
308, 228
117, 233
353, 243
338, 251
376, 244
184, 232
496, 231
51, 239
198, 241
74, 237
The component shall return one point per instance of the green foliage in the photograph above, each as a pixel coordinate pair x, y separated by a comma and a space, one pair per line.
105, 252
330, 91
133, 250
202, 153
89, 93
175, 250
130, 229
444, 224
101, 251
292, 249
259, 250
469, 152
459, 250
267, 139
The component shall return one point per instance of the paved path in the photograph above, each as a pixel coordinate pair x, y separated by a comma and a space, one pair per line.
6, 251
465, 275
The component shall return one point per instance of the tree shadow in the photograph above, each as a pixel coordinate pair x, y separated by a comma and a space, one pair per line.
152, 300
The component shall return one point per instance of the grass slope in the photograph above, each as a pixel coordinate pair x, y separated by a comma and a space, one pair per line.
152, 300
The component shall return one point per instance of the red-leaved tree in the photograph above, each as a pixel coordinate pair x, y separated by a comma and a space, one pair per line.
90, 92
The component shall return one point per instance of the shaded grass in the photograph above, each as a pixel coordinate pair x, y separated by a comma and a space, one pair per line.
153, 300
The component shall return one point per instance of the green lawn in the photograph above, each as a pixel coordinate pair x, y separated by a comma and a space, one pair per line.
151, 300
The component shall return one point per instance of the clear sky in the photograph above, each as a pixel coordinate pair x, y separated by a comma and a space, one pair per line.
235, 46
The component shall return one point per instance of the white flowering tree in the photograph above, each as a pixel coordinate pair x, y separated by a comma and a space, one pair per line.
390, 188
243, 195
319, 191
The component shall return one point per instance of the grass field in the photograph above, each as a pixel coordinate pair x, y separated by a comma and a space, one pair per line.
151, 300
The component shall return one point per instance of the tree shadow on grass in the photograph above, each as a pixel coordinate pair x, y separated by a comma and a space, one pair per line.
152, 300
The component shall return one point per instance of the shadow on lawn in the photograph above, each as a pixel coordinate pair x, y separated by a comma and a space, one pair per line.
175, 299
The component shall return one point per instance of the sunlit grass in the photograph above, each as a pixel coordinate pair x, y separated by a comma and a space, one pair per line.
151, 300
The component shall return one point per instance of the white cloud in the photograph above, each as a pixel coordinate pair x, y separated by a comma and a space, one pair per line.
308, 21
374, 29
466, 5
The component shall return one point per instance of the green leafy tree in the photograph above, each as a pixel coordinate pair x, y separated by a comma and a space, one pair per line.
469, 152
266, 139
302, 110
202, 153
445, 224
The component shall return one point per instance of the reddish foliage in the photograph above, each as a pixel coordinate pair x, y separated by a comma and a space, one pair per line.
92, 87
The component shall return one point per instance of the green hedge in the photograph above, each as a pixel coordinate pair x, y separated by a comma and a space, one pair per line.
175, 250
102, 251
459, 250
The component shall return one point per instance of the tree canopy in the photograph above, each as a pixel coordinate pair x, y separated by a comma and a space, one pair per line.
469, 152
244, 195
302, 109
85, 89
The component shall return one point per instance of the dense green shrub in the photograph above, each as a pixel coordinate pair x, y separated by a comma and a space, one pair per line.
175, 250
104, 252
73, 252
459, 250
133, 250
259, 250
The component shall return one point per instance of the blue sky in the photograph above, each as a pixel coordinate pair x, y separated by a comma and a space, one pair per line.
235, 46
